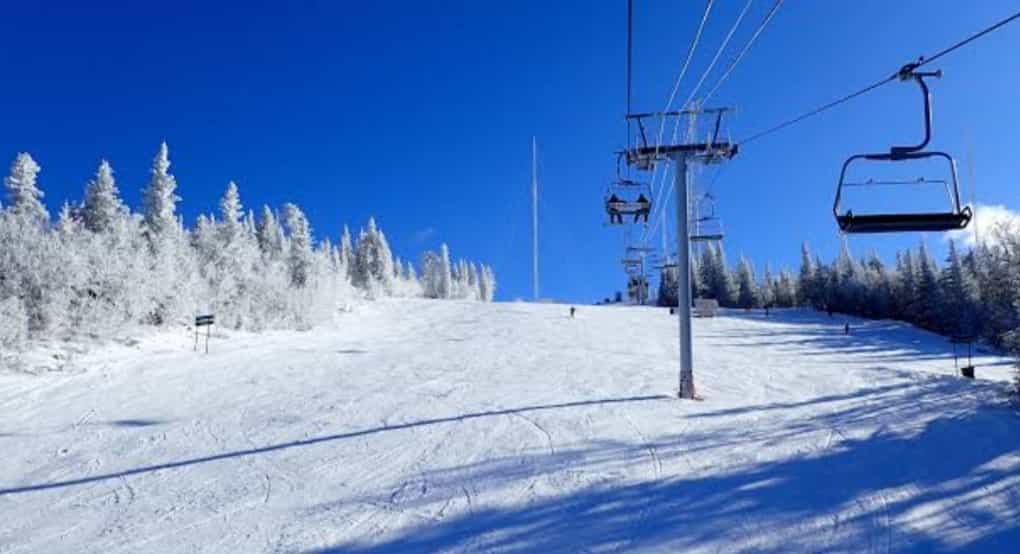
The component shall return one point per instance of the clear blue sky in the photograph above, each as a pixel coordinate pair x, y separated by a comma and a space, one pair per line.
422, 113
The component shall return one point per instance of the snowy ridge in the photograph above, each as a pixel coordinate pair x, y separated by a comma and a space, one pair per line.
419, 426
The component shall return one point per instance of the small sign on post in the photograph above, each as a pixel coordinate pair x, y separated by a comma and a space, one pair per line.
207, 322
967, 370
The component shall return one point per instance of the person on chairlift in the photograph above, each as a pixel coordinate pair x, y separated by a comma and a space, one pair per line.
612, 206
645, 206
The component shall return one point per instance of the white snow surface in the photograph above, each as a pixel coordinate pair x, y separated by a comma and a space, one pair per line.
421, 426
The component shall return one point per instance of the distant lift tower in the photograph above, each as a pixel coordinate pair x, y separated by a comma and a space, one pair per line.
645, 156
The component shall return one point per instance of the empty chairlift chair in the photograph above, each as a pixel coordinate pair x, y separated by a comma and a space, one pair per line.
956, 216
707, 226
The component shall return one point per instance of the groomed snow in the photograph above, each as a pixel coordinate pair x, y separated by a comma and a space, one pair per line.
419, 426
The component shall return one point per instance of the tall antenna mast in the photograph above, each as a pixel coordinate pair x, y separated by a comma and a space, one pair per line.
630, 48
534, 217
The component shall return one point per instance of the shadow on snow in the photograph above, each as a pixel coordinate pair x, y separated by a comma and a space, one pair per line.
893, 484
308, 442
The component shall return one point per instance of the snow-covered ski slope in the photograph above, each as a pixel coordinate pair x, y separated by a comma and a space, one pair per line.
421, 426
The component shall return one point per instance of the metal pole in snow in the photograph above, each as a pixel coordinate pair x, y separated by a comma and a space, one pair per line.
683, 262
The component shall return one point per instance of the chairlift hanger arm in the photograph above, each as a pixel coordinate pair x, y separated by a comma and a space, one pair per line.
907, 73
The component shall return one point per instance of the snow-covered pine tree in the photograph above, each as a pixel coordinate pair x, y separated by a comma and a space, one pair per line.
233, 264
299, 258
723, 289
747, 295
961, 298
347, 251
160, 198
707, 269
767, 291
697, 284
445, 285
668, 287
373, 260
474, 281
102, 210
232, 213
430, 263
23, 195
929, 294
173, 265
69, 222
786, 293
879, 285
906, 287
806, 284
845, 283
488, 280
270, 236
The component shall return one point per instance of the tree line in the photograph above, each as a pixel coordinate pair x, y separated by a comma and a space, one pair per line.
975, 293
101, 266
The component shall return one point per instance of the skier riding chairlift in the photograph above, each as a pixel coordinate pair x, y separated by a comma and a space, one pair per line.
645, 207
613, 207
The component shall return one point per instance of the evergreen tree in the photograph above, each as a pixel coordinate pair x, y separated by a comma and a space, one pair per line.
474, 282
445, 285
879, 285
747, 296
806, 285
232, 213
723, 289
23, 196
488, 278
160, 198
768, 288
372, 259
697, 283
707, 268
299, 259
347, 251
786, 294
668, 287
270, 235
906, 287
102, 209
929, 295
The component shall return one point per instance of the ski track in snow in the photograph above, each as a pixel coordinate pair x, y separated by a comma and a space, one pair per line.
419, 426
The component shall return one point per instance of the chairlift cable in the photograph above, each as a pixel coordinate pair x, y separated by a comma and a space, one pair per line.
683, 70
718, 54
701, 81
923, 61
969, 39
816, 111
761, 28
676, 84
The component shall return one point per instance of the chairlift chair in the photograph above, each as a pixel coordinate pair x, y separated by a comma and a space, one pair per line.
632, 266
618, 202
708, 227
958, 215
